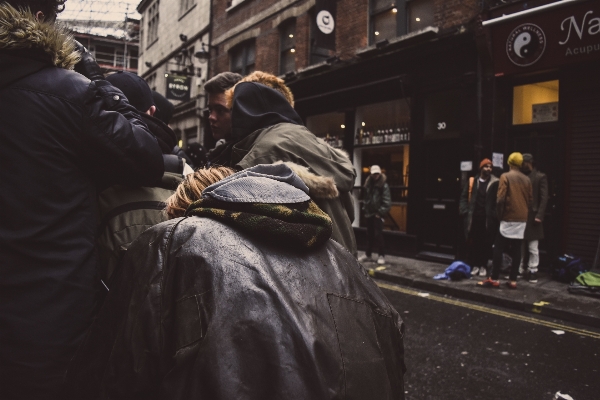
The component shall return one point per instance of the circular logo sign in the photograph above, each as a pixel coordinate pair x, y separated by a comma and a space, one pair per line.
325, 22
525, 45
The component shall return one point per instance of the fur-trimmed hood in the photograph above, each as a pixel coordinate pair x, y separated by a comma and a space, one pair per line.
319, 187
21, 33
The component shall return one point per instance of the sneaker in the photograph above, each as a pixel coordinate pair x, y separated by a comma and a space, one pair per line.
532, 278
364, 258
482, 271
511, 284
489, 283
381, 260
475, 271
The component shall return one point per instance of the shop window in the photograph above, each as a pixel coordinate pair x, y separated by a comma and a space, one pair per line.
287, 57
317, 54
388, 19
382, 137
330, 127
152, 30
242, 58
536, 102
421, 14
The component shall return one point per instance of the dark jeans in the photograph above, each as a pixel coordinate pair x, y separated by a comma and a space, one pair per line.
514, 250
375, 236
480, 243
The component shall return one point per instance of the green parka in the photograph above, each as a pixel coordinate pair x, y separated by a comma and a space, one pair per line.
377, 198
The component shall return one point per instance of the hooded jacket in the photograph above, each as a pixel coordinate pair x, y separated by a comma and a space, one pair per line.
266, 129
245, 298
467, 205
377, 197
61, 136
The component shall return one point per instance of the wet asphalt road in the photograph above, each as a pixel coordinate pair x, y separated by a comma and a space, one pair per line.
464, 350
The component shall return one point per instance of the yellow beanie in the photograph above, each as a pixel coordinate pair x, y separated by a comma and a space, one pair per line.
515, 159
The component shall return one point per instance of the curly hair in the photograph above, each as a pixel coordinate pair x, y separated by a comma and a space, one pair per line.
191, 189
266, 79
48, 7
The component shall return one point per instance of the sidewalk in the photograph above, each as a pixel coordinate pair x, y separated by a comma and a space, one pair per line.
552, 298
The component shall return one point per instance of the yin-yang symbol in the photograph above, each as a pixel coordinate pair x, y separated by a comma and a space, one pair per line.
525, 45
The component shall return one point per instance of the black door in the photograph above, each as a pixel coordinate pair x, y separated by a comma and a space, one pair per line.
439, 211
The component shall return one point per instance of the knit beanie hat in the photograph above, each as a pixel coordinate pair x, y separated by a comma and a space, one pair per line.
515, 159
485, 161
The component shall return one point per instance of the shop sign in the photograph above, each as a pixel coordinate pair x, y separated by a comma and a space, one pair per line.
546, 112
325, 11
178, 87
566, 35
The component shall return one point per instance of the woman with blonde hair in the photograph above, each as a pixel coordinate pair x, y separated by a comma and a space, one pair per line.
245, 296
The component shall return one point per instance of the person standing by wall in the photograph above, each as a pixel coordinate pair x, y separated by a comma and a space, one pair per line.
376, 204
534, 231
512, 205
478, 209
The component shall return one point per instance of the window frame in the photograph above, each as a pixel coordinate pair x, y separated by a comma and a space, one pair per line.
153, 21
401, 18
286, 45
243, 48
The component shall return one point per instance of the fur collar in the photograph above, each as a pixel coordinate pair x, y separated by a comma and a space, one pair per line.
319, 187
19, 30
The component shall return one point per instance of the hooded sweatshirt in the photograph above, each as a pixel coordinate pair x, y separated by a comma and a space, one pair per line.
266, 129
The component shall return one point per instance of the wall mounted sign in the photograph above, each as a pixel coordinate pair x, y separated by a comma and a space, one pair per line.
466, 165
497, 160
546, 112
547, 39
325, 11
178, 87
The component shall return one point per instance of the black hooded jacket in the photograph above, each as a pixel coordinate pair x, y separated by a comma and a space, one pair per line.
61, 136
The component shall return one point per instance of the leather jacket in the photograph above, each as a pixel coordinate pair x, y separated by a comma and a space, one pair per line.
203, 309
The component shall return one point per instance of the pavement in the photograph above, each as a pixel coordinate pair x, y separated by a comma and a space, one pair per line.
547, 297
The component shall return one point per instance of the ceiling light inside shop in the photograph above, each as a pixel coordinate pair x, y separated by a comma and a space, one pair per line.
292, 50
394, 10
376, 33
343, 126
418, 19
290, 35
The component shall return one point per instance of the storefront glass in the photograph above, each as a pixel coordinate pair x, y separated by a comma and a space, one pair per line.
536, 102
382, 137
330, 127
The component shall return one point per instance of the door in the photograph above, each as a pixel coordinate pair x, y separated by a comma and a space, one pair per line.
439, 213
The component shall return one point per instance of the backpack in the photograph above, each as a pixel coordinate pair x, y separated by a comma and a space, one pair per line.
568, 267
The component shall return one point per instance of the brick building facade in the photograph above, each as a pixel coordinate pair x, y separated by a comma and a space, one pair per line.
414, 86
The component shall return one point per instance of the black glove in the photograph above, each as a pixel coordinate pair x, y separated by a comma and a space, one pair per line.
88, 66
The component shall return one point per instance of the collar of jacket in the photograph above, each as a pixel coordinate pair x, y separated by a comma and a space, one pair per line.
270, 202
161, 131
376, 183
28, 45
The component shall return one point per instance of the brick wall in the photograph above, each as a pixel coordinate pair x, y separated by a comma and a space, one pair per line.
255, 19
451, 13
